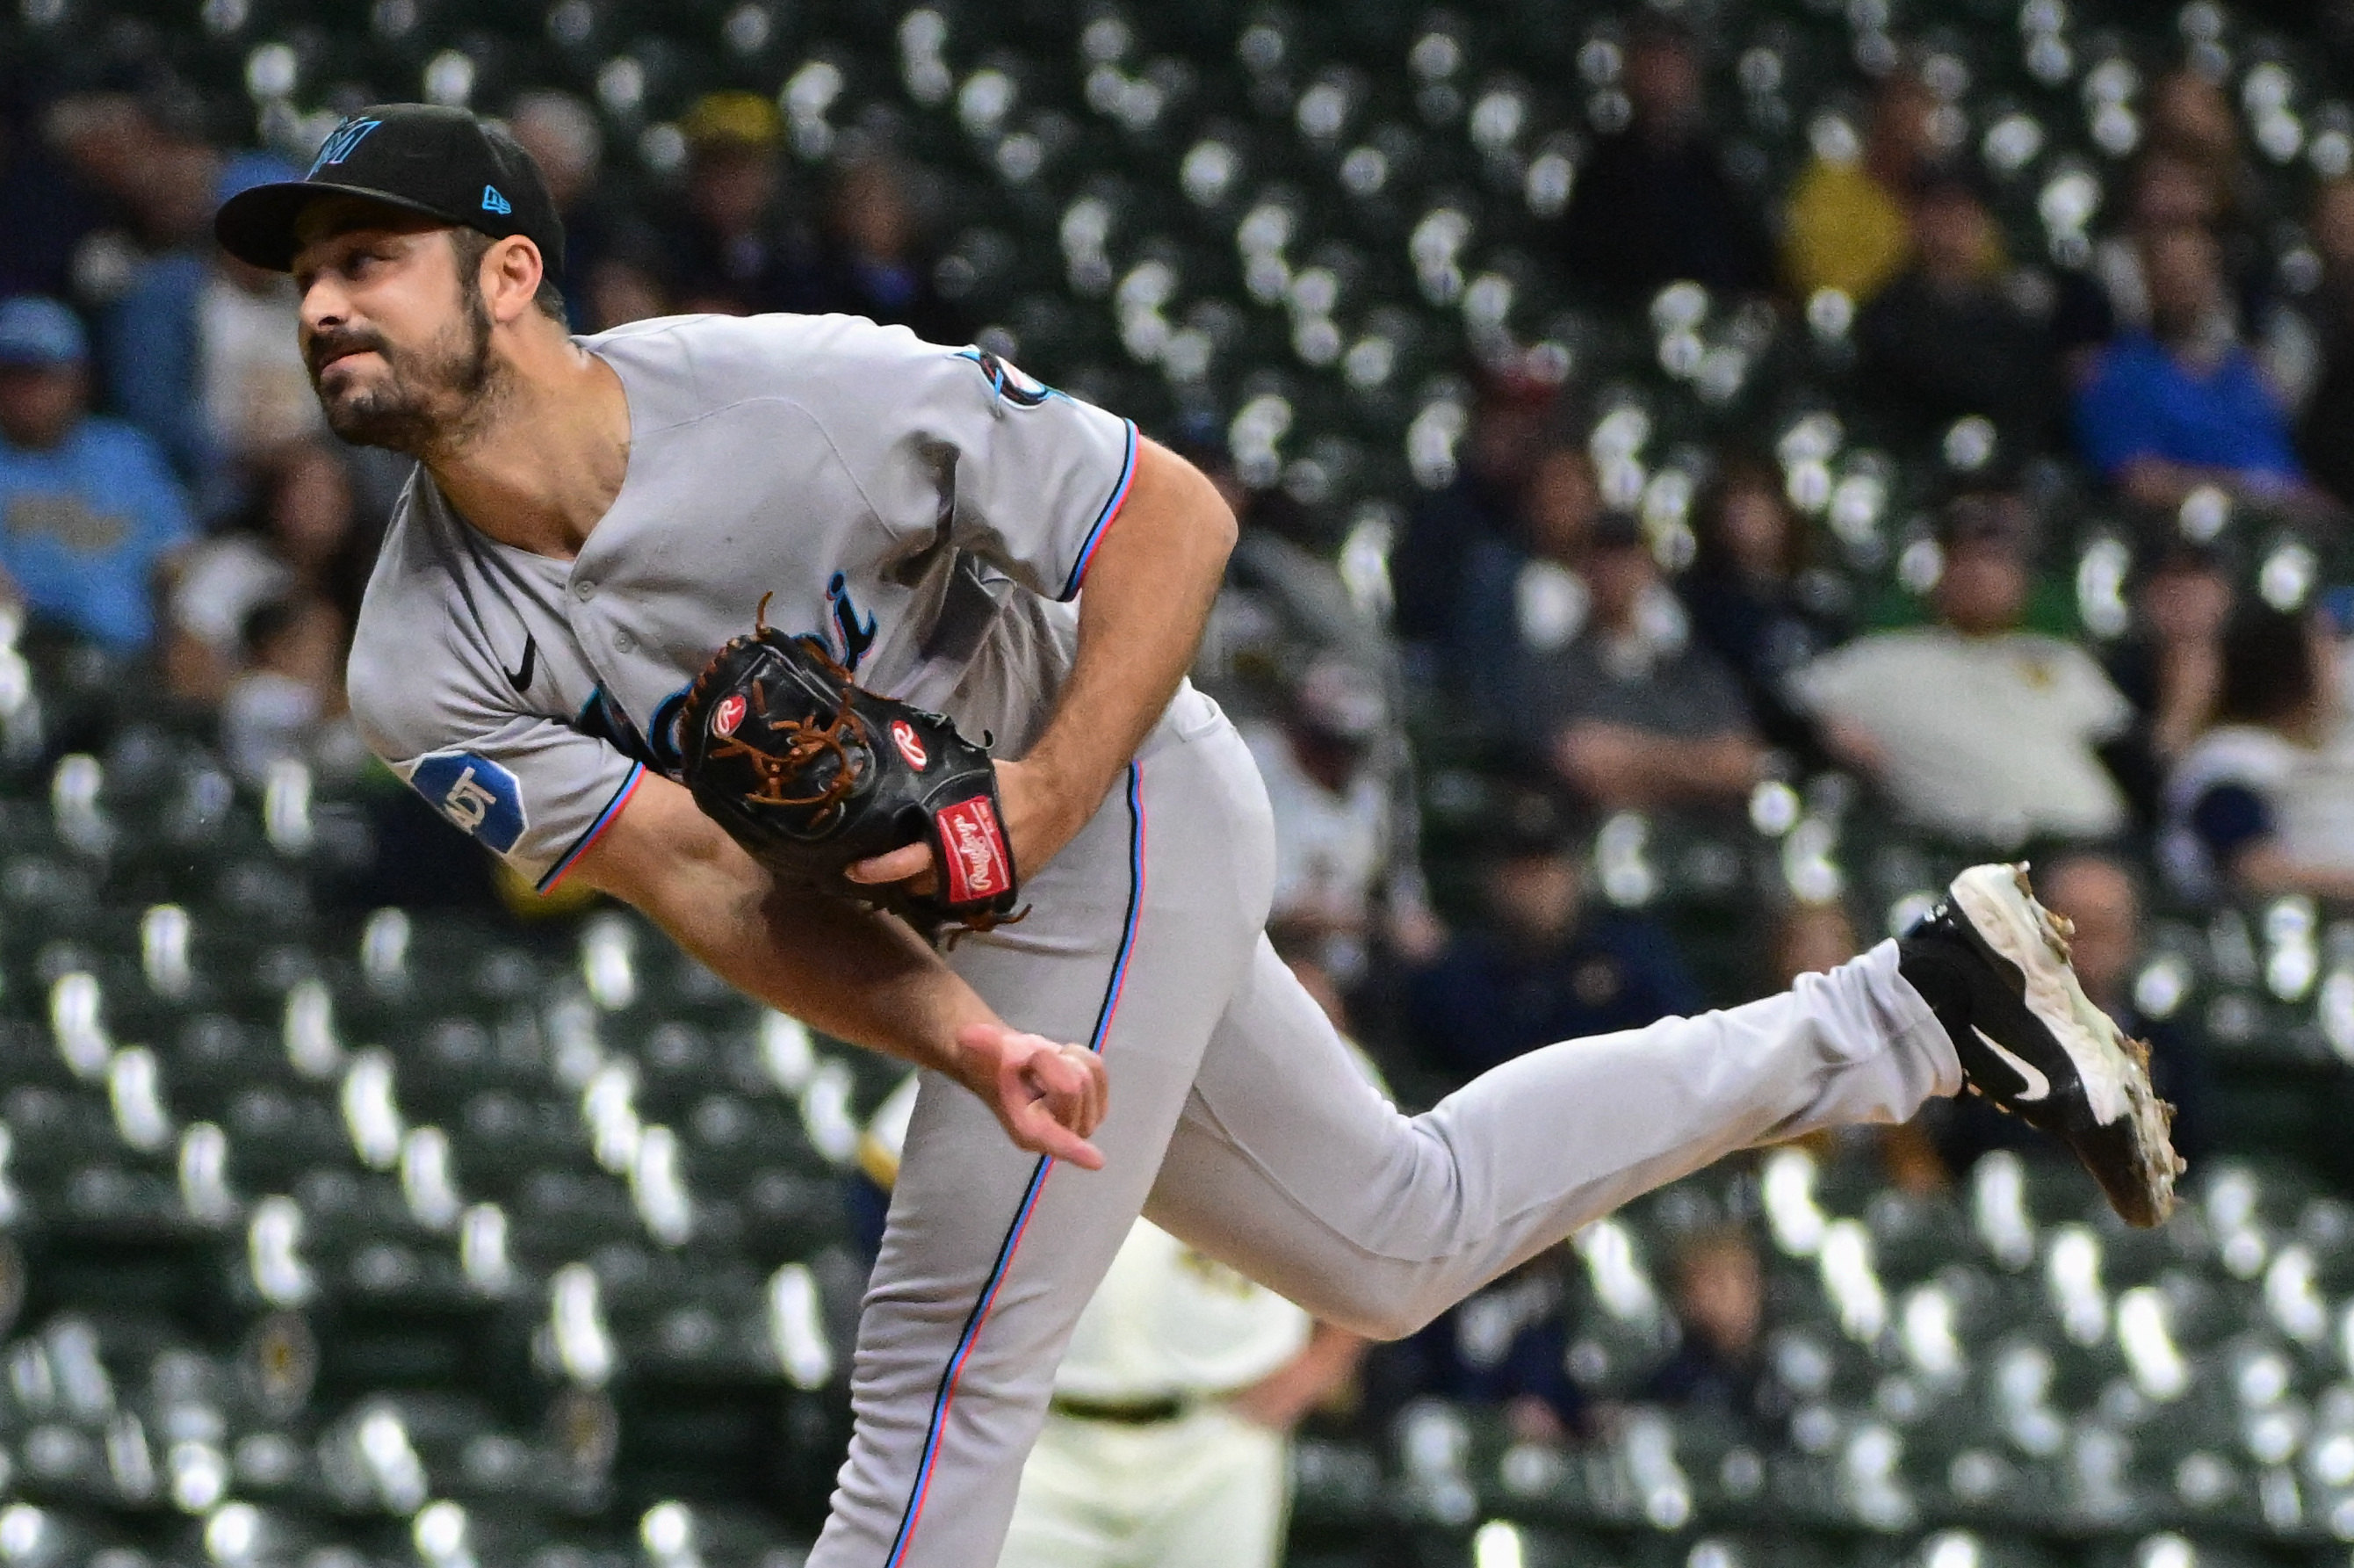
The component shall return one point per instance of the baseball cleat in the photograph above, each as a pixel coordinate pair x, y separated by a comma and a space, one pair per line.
1992, 963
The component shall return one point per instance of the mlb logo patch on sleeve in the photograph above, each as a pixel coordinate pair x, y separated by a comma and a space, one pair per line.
477, 795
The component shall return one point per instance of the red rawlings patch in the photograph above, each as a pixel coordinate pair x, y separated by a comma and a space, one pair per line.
978, 866
911, 746
728, 714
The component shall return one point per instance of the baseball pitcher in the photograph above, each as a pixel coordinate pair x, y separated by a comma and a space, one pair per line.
564, 648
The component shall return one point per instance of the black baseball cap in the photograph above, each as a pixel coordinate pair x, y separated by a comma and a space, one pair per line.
420, 157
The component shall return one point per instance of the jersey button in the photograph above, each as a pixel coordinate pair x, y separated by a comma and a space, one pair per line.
585, 588
624, 641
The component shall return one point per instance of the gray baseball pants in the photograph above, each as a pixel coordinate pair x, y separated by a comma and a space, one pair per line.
1239, 1123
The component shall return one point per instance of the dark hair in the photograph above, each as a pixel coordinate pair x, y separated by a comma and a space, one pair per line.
471, 245
266, 622
2050, 872
1615, 530
1951, 177
1657, 30
1714, 1238
1984, 515
1532, 818
2268, 668
1736, 472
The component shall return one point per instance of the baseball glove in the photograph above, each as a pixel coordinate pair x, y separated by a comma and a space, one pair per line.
811, 773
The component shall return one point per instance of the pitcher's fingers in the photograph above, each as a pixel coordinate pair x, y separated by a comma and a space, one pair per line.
897, 865
1042, 1134
1061, 1084
1103, 1088
1031, 1122
1020, 1088
1099, 1103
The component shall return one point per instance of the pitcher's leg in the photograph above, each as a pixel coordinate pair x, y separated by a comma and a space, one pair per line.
1286, 1165
989, 1254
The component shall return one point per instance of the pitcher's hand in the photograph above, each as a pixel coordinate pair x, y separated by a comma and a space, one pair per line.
1050, 1098
1037, 822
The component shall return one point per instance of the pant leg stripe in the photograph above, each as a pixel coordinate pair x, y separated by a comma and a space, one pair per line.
946, 1397
1135, 907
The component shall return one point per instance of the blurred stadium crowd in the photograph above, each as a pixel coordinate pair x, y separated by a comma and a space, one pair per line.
1708, 472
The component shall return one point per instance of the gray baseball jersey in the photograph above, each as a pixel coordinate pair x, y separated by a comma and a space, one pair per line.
930, 510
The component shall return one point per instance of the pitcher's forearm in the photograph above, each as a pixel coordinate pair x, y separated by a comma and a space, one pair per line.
839, 967
858, 976
1147, 594
854, 974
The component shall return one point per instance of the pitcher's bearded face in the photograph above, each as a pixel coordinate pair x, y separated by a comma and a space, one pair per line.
395, 330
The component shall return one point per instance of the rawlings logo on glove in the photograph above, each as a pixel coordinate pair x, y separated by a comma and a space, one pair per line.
978, 858
788, 753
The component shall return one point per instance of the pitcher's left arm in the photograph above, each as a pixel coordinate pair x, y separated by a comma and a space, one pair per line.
1148, 590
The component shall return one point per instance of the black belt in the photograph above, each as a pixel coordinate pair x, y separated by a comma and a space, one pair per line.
1135, 1412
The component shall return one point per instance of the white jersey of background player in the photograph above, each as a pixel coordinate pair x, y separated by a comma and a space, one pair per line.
1146, 1456
594, 517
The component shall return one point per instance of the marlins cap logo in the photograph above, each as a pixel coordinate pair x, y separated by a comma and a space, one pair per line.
341, 142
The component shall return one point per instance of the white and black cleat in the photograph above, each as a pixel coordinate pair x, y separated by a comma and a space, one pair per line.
1992, 963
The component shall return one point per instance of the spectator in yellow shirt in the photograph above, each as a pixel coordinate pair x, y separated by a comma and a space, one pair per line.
1849, 223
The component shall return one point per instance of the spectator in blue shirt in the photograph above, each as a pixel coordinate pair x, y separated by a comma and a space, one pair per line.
2183, 404
874, 261
1545, 968
1479, 511
201, 353
89, 510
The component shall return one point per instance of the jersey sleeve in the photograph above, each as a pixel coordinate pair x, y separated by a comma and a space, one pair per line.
1023, 476
536, 792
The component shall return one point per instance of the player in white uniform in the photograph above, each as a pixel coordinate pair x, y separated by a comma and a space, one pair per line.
1151, 1456
591, 518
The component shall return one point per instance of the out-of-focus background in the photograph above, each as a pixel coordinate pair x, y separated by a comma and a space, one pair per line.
1707, 473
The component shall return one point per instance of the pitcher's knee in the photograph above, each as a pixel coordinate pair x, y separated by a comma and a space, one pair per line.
1384, 1314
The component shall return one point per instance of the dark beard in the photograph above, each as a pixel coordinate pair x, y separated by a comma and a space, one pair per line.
431, 401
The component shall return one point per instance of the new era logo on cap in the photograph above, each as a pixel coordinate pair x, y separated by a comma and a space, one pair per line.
493, 201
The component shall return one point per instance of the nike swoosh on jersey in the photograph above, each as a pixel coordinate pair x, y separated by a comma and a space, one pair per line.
2038, 1086
521, 679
